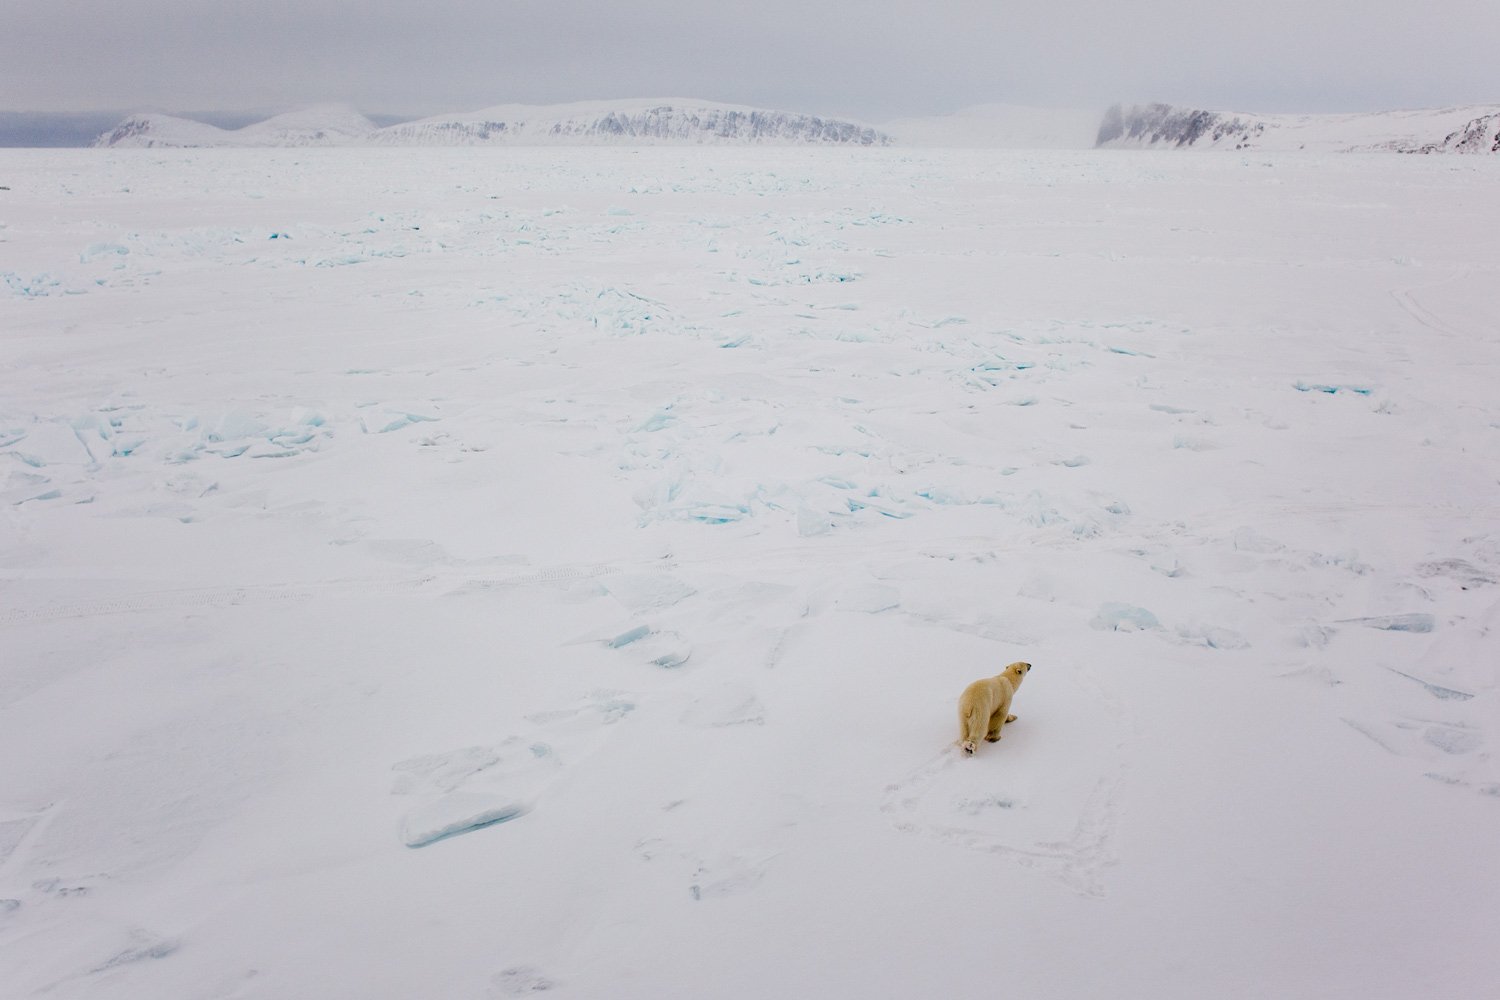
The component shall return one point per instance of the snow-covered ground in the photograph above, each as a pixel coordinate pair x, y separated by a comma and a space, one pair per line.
460, 573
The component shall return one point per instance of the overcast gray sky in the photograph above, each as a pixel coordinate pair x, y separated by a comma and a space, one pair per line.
873, 60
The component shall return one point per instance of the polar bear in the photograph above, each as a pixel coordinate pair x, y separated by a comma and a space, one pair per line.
984, 706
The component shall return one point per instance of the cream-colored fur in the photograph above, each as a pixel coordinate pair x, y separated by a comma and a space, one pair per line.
984, 707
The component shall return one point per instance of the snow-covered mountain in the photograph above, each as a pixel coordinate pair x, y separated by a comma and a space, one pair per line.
634, 122
1468, 129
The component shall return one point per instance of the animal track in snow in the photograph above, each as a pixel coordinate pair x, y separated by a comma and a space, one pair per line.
1061, 824
709, 877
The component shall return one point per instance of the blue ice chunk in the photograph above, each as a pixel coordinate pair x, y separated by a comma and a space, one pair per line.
945, 497
456, 813
657, 421
188, 454
673, 655
1123, 618
1301, 386
628, 636
856, 505
235, 424
1415, 622
34, 287
96, 250
1002, 365
813, 522
716, 513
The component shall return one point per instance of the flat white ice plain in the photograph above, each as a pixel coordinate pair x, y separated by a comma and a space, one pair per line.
434, 573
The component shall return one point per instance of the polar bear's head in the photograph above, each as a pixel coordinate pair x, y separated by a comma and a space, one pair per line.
1016, 671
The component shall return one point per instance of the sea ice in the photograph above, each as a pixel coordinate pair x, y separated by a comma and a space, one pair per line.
179, 689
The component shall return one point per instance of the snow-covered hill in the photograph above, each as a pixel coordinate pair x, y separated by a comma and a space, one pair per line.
1470, 129
1478, 135
674, 120
630, 122
324, 125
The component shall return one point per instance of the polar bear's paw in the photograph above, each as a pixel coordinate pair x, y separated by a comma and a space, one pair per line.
969, 748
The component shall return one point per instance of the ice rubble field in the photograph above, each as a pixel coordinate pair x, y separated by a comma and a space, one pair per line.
442, 574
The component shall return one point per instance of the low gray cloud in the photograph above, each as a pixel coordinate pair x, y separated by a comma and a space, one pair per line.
872, 60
